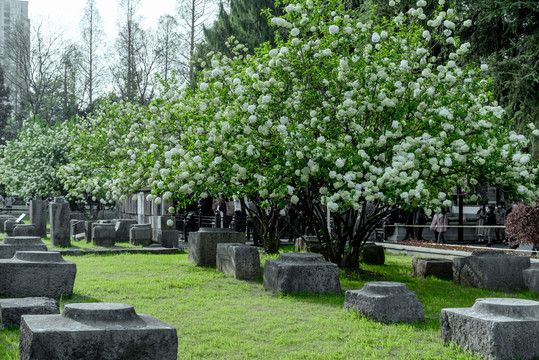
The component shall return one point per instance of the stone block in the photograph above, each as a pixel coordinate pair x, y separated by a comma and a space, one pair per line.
24, 230
496, 328
122, 229
301, 272
88, 230
385, 301
531, 278
103, 234
76, 227
36, 273
3, 219
238, 260
373, 254
440, 268
38, 215
140, 234
490, 270
10, 245
168, 238
9, 226
59, 222
77, 215
202, 248
96, 331
11, 310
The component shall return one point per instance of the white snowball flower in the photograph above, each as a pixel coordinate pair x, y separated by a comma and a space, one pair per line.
449, 24
171, 210
484, 67
467, 23
170, 222
203, 86
333, 29
294, 199
404, 64
294, 32
375, 37
339, 163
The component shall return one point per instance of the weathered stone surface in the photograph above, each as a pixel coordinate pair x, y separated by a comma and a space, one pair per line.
373, 254
103, 234
202, 248
59, 222
440, 268
38, 215
3, 219
386, 302
77, 215
301, 272
140, 234
24, 230
531, 278
490, 270
77, 227
9, 225
96, 331
495, 328
238, 260
10, 245
11, 310
36, 273
88, 225
122, 229
167, 238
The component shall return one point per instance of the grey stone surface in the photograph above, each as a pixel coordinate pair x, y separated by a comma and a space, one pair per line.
301, 272
24, 230
440, 268
531, 278
9, 225
495, 328
88, 230
140, 234
11, 310
38, 215
490, 270
36, 273
76, 215
96, 331
10, 245
167, 238
385, 301
203, 244
103, 234
238, 260
373, 254
76, 227
122, 229
59, 222
3, 219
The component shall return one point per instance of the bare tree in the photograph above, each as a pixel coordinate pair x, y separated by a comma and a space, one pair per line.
193, 15
92, 34
168, 43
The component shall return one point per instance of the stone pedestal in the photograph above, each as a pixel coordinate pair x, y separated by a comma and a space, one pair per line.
36, 273
168, 238
59, 222
531, 278
10, 245
38, 215
76, 227
11, 310
96, 331
103, 234
490, 270
440, 268
203, 244
301, 272
3, 219
24, 230
238, 260
373, 254
122, 229
385, 301
9, 225
140, 234
495, 328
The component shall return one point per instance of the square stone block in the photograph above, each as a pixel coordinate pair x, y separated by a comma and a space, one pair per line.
24, 230
122, 229
531, 278
495, 328
238, 260
301, 272
11, 310
385, 301
11, 244
103, 234
35, 274
140, 234
168, 238
203, 244
440, 268
491, 270
96, 331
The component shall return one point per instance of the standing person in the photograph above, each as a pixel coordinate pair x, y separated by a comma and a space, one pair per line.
500, 221
9, 201
420, 220
439, 226
490, 220
408, 216
480, 230
239, 216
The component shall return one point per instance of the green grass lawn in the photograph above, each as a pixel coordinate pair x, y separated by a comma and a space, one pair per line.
218, 317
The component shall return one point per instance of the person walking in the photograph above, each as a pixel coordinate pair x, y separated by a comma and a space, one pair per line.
500, 221
490, 220
480, 231
439, 226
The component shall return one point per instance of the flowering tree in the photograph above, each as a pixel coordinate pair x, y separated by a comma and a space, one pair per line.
522, 224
